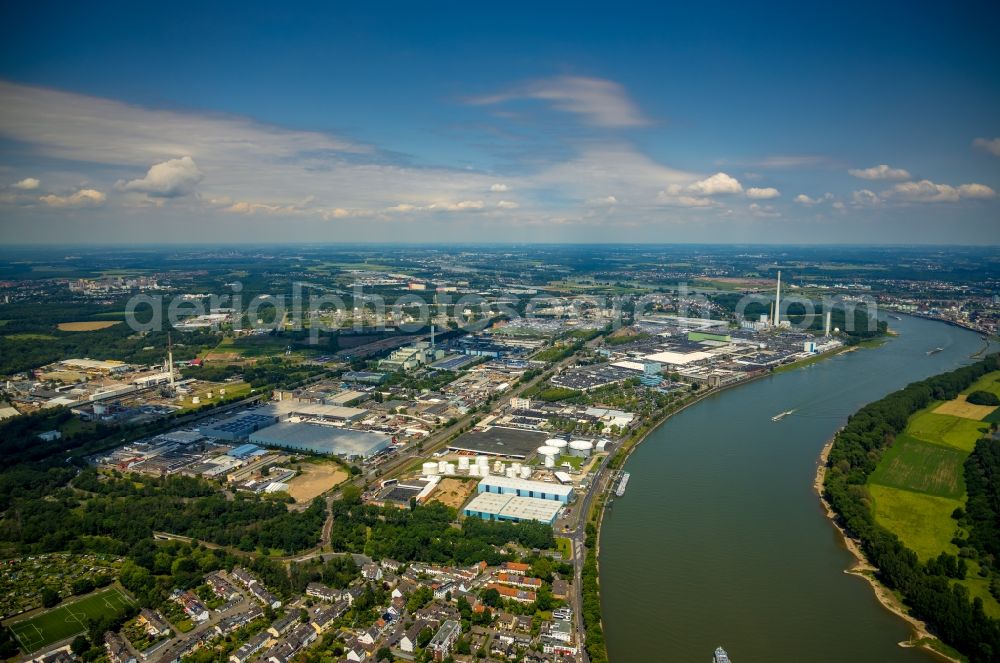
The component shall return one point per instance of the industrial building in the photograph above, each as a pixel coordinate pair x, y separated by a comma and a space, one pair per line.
499, 441
320, 438
512, 508
500, 485
239, 427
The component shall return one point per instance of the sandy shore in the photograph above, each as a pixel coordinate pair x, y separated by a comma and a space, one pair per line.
863, 569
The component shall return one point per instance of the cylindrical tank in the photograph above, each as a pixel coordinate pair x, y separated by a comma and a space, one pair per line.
556, 442
473, 470
498, 467
484, 470
449, 468
482, 460
546, 450
525, 472
511, 474
516, 466
581, 448
463, 462
442, 466
430, 468
550, 461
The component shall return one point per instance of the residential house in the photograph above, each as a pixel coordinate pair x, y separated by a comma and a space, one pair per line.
118, 651
442, 642
153, 623
371, 571
322, 592
251, 647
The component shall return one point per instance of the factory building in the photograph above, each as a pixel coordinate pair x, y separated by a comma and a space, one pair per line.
500, 441
499, 485
512, 508
320, 438
239, 427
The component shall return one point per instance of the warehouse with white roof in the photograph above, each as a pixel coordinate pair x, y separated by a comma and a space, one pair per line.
511, 508
526, 488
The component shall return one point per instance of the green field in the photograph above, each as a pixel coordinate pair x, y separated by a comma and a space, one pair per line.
989, 382
923, 467
69, 619
922, 522
946, 429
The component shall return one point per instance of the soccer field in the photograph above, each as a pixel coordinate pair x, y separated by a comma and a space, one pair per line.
69, 619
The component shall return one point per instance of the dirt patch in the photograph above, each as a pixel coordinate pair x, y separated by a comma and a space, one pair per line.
453, 492
87, 326
223, 356
315, 479
960, 408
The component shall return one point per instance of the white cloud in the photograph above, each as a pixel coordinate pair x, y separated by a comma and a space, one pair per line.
880, 172
170, 179
82, 198
866, 198
507, 204
685, 201
764, 193
603, 201
803, 199
499, 188
720, 183
27, 184
926, 191
598, 101
976, 191
991, 145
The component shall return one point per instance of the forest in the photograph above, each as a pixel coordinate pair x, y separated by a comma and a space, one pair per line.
926, 588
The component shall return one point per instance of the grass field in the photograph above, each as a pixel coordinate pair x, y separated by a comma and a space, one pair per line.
86, 326
989, 382
960, 408
946, 429
922, 522
68, 620
923, 467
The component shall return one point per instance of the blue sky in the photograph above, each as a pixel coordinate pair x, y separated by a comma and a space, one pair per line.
513, 122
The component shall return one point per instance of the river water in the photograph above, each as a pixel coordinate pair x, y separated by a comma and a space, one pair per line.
720, 539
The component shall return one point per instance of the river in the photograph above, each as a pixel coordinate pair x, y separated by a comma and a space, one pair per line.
720, 539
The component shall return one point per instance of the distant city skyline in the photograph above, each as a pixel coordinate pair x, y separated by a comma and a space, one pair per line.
459, 123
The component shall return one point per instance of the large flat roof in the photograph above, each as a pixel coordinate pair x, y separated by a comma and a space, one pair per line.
511, 506
500, 441
320, 438
678, 358
526, 484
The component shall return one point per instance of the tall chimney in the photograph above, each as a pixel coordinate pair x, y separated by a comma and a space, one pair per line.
826, 328
777, 303
170, 360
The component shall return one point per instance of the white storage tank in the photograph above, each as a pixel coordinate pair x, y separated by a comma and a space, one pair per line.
550, 461
449, 468
546, 450
581, 448
463, 462
525, 472
516, 466
511, 474
498, 467
473, 470
482, 460
430, 469
556, 442
484, 470
442, 466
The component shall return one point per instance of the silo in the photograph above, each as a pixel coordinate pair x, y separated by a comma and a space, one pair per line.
430, 468
442, 466
482, 460
580, 448
484, 470
463, 462
473, 470
449, 468
550, 461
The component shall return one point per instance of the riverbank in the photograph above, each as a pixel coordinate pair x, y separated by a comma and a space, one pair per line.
862, 568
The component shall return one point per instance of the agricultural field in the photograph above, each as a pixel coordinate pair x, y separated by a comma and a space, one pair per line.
923, 522
86, 326
453, 492
989, 382
960, 408
923, 467
946, 429
315, 479
69, 619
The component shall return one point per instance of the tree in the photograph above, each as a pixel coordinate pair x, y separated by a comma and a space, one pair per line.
491, 597
80, 645
50, 597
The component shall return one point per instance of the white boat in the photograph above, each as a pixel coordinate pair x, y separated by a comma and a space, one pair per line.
720, 656
782, 415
